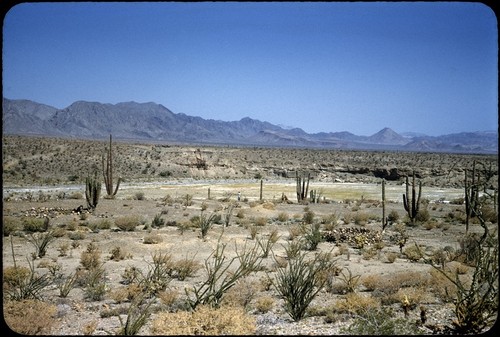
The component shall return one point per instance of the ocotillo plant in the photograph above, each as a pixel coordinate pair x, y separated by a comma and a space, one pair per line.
412, 205
92, 191
107, 171
302, 186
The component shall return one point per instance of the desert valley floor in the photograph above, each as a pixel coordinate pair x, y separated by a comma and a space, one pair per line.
142, 254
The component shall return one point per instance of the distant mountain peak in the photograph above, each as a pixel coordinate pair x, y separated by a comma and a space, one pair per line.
388, 136
147, 121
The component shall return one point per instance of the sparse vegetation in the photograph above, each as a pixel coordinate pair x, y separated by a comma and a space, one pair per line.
219, 280
301, 281
151, 270
127, 223
205, 320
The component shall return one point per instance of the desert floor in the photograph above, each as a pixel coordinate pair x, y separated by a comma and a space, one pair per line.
376, 265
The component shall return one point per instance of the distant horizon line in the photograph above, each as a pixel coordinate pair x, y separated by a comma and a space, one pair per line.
288, 127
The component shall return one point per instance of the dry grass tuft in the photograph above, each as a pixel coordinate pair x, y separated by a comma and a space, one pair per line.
205, 320
29, 317
127, 223
264, 303
269, 206
356, 303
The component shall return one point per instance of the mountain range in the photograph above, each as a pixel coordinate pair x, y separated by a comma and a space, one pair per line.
154, 122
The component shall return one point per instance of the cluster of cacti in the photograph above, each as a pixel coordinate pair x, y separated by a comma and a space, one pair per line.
302, 186
107, 171
412, 205
92, 191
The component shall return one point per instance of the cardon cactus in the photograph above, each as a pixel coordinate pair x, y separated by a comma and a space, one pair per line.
92, 191
107, 171
412, 205
302, 186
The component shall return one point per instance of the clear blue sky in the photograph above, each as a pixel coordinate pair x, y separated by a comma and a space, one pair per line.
426, 67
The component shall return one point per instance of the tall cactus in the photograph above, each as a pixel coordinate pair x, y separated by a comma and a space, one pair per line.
313, 196
302, 188
107, 171
260, 194
412, 205
471, 195
385, 221
92, 191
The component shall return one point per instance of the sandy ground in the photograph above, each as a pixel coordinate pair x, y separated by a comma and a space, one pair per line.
76, 312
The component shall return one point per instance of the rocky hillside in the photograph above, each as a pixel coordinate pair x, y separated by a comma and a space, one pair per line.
151, 121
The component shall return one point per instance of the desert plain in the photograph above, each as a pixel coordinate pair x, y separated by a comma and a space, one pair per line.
143, 251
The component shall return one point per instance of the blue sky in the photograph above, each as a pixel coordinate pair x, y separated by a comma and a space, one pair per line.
426, 67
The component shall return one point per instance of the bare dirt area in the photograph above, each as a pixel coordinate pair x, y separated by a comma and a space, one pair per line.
147, 242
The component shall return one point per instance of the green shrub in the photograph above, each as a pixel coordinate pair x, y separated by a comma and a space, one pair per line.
104, 224
300, 282
165, 174
41, 242
76, 235
10, 225
393, 216
130, 275
218, 281
117, 254
313, 237
349, 280
158, 222
137, 316
293, 248
295, 231
423, 216
33, 225
127, 223
95, 283
139, 195
65, 284
253, 231
185, 267
204, 222
308, 217
21, 283
329, 221
91, 257
267, 244
380, 322
476, 298
413, 253
158, 275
